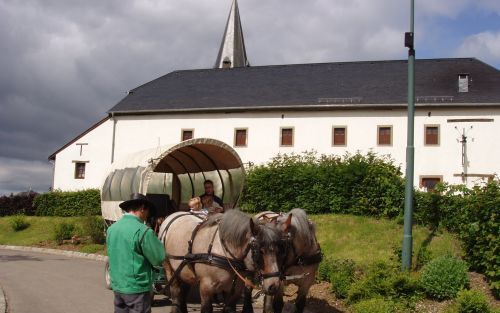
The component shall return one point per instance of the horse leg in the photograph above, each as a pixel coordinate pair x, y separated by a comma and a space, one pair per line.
278, 300
177, 298
177, 292
300, 302
268, 304
247, 301
184, 290
231, 300
206, 294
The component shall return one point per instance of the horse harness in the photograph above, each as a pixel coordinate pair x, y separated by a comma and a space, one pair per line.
228, 263
298, 260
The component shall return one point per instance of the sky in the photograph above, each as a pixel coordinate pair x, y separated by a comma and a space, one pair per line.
64, 63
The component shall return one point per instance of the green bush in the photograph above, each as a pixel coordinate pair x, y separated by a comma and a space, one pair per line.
342, 275
94, 228
375, 283
20, 203
74, 203
472, 301
353, 184
64, 231
18, 223
324, 269
481, 233
444, 277
424, 256
376, 305
385, 280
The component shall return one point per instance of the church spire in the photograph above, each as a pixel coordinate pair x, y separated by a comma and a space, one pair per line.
232, 51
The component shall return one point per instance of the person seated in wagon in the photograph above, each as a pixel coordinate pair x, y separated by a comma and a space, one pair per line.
196, 206
208, 199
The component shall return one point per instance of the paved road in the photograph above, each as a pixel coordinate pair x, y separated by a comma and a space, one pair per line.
37, 282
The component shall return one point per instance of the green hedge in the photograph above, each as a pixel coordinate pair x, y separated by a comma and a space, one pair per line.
74, 203
353, 184
473, 214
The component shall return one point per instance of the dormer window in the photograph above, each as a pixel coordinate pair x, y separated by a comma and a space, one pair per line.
226, 63
463, 82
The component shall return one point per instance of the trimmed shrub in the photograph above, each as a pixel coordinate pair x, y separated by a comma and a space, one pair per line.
18, 223
472, 301
94, 228
353, 184
74, 203
21, 203
444, 277
342, 276
376, 305
64, 231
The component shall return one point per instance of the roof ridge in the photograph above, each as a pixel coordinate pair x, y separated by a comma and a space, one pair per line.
253, 67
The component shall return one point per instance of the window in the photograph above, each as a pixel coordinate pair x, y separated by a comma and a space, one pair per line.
187, 134
339, 135
286, 139
240, 137
384, 135
431, 135
463, 83
79, 170
429, 182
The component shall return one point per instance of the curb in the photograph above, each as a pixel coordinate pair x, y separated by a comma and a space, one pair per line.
71, 254
3, 301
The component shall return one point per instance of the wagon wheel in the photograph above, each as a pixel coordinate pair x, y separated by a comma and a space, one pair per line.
107, 278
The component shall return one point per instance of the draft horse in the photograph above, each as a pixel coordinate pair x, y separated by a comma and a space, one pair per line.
219, 254
301, 257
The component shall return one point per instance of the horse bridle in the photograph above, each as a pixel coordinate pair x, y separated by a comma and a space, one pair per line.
253, 246
298, 260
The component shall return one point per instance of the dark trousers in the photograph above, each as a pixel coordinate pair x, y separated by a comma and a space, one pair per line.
134, 303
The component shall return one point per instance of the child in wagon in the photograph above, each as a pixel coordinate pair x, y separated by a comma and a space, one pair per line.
196, 205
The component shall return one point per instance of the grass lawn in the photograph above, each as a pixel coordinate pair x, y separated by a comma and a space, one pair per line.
362, 239
41, 232
366, 240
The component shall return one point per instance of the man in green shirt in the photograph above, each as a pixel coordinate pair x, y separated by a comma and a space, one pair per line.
133, 249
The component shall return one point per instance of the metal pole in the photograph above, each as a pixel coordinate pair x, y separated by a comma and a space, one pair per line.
410, 149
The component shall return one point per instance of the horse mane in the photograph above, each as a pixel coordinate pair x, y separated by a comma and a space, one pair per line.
234, 228
301, 228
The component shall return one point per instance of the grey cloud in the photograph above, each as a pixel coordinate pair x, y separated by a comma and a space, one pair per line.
63, 64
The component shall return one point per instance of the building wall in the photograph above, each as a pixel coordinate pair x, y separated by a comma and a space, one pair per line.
96, 154
312, 131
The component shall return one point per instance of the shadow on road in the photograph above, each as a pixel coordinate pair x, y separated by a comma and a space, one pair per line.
18, 257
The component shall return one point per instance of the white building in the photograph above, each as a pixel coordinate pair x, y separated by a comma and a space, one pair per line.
332, 108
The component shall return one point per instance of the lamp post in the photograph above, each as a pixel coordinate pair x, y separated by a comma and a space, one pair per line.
410, 149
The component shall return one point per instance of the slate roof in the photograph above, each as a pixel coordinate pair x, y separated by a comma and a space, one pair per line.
311, 86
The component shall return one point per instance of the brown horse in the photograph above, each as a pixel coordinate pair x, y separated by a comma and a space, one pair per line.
302, 255
218, 254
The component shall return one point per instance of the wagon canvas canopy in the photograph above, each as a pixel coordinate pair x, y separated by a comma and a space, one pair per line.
176, 172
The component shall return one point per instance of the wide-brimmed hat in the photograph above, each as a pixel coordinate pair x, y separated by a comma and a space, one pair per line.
136, 200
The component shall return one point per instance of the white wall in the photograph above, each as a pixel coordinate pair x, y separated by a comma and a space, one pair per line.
97, 153
312, 131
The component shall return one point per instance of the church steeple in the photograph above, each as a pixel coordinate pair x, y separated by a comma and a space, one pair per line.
232, 51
